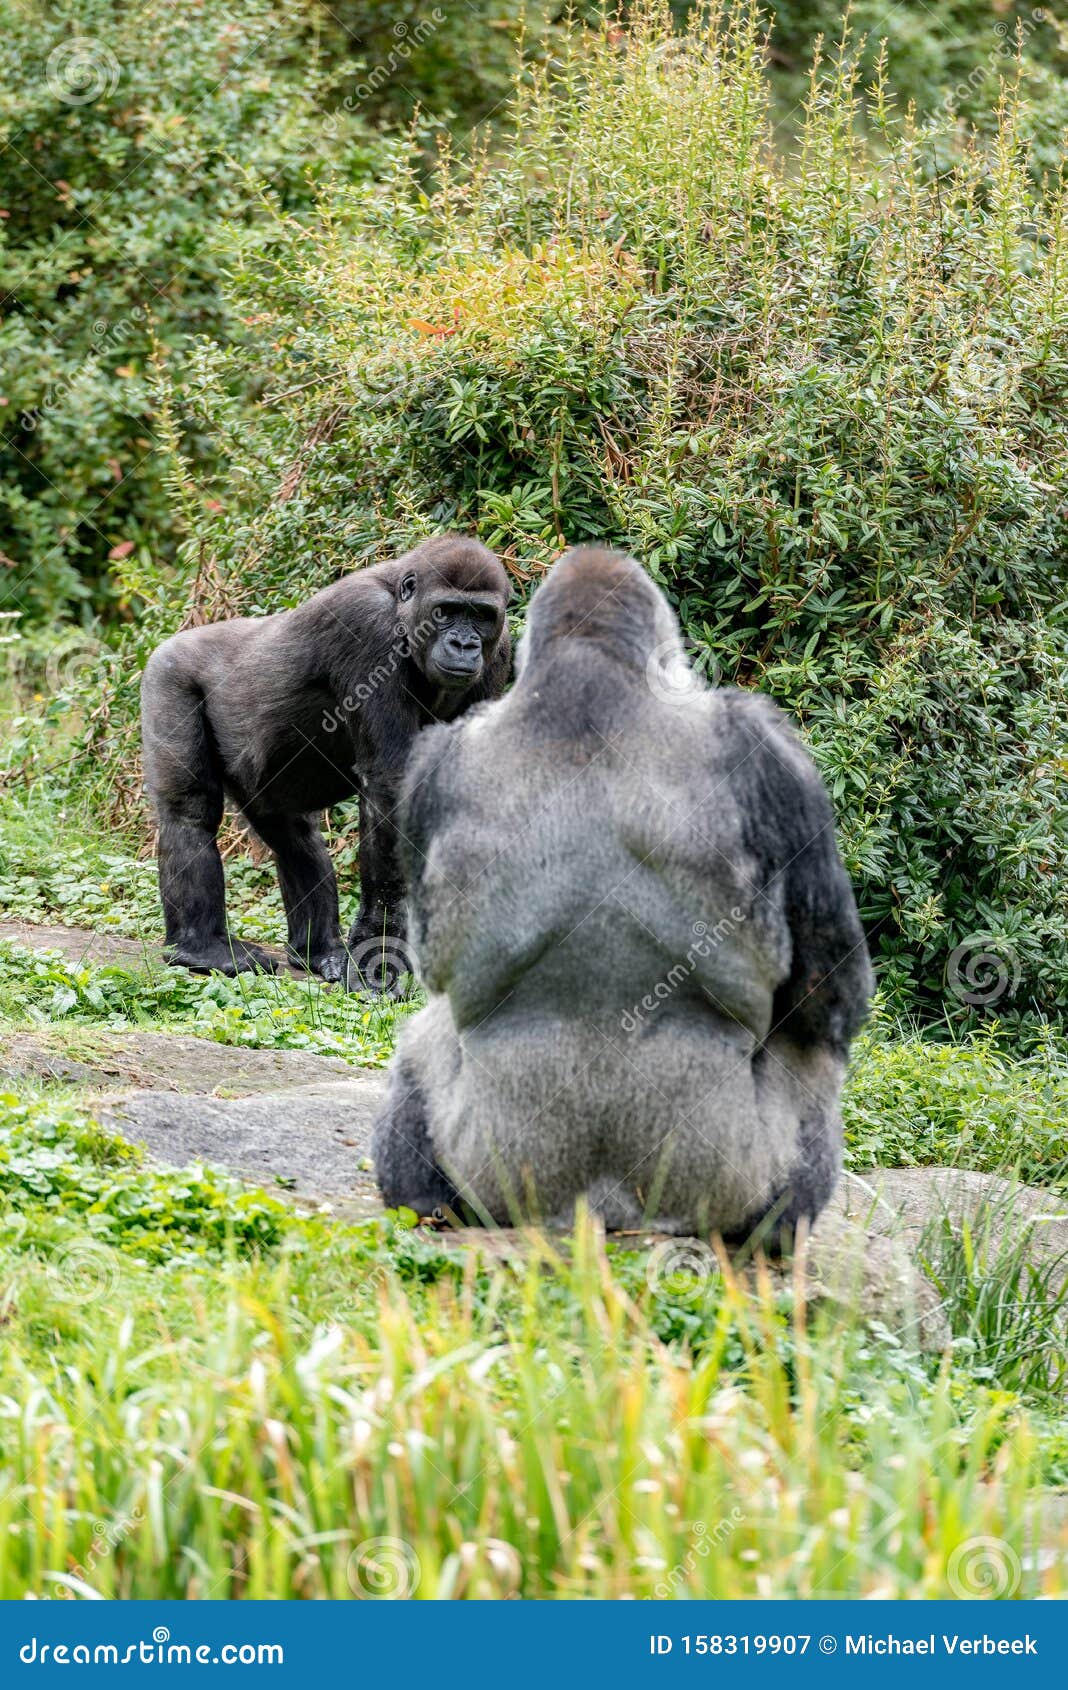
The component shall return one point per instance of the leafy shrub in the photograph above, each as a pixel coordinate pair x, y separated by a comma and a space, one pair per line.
129, 133
973, 1103
823, 398
949, 59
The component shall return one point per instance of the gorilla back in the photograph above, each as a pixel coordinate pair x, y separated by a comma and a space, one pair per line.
644, 957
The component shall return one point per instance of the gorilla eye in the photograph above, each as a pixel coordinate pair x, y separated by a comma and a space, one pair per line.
407, 587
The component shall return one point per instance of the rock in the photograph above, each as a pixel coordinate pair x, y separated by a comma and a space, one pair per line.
119, 1061
308, 1141
909, 1200
103, 949
79, 945
858, 1257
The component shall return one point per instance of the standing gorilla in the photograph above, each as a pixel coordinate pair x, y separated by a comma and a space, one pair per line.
643, 953
291, 713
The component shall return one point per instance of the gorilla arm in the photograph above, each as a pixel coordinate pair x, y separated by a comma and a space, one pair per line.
790, 827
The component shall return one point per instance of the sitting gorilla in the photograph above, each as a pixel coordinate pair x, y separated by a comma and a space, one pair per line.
291, 713
644, 958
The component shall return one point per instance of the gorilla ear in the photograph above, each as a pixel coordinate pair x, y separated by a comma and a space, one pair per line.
407, 586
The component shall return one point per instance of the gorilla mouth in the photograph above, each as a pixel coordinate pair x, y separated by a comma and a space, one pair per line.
459, 671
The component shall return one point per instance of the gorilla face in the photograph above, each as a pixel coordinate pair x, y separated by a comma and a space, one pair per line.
449, 633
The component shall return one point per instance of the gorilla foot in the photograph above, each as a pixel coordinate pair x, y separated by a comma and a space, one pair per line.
329, 965
221, 956
380, 963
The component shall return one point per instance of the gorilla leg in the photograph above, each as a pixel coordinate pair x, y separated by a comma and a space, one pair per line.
378, 955
309, 891
184, 780
405, 1166
193, 891
807, 1192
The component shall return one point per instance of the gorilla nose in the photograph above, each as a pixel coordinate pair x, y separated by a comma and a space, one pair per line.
463, 650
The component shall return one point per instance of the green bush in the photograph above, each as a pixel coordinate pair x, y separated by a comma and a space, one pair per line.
127, 135
946, 58
822, 397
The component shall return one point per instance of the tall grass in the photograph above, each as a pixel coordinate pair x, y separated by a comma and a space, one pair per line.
426, 1427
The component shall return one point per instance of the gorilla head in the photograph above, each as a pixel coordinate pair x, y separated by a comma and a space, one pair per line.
450, 599
644, 960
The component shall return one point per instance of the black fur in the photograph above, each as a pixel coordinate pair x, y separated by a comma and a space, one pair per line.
286, 715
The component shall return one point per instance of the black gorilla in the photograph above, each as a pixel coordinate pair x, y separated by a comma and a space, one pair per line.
288, 714
644, 958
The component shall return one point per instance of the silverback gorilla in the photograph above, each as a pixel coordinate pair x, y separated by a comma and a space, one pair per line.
644, 958
291, 713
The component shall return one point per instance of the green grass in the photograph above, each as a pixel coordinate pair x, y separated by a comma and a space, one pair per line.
268, 1012
976, 1101
243, 1414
